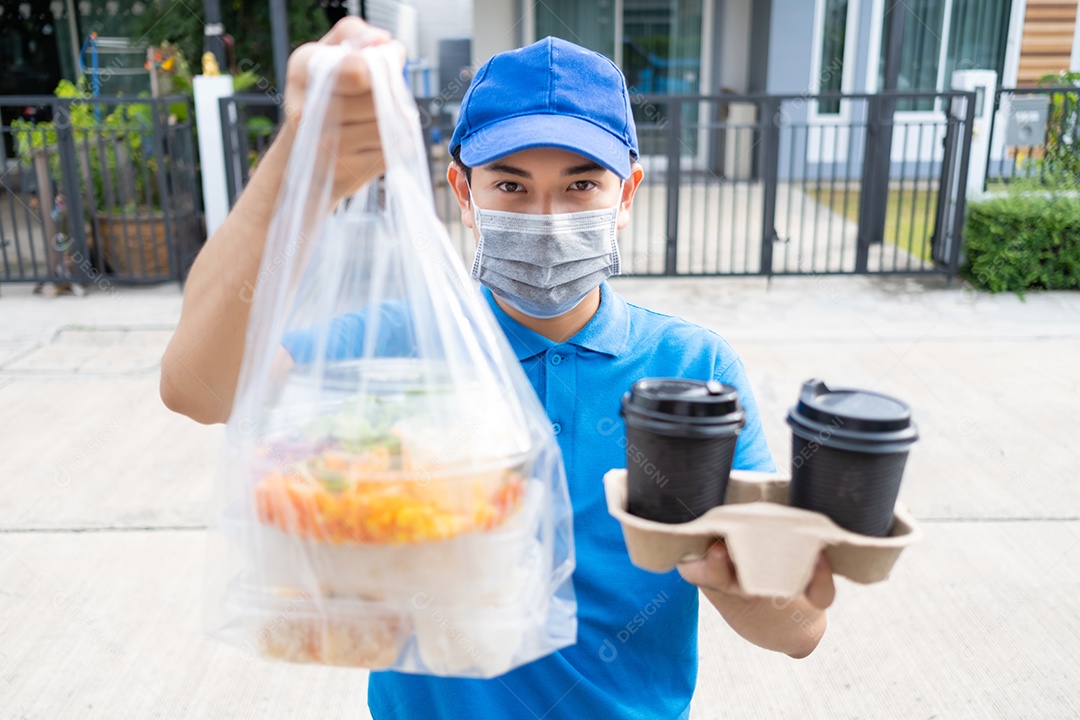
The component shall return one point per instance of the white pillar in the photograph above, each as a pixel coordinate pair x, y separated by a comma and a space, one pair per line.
984, 84
208, 90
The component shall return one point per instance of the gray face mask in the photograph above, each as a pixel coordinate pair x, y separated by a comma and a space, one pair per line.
545, 265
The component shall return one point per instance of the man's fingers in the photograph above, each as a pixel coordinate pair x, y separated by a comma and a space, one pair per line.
354, 31
358, 170
354, 77
399, 52
296, 69
350, 123
822, 590
357, 138
715, 571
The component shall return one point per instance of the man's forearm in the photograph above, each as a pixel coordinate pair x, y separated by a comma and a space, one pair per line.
793, 627
200, 368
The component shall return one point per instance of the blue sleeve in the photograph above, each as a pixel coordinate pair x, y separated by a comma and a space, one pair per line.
752, 451
345, 336
344, 339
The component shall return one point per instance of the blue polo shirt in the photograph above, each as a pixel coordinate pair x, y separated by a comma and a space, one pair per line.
636, 651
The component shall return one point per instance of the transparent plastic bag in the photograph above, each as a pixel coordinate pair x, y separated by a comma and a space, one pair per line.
397, 499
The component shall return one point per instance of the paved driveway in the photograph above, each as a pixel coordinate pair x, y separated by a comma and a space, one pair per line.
102, 510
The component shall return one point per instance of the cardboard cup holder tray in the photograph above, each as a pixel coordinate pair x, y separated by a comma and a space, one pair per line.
773, 546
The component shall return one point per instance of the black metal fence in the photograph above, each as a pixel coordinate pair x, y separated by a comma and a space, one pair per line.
1035, 137
250, 121
734, 185
96, 190
753, 184
783, 185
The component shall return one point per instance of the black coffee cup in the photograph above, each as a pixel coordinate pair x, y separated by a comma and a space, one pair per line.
680, 443
848, 452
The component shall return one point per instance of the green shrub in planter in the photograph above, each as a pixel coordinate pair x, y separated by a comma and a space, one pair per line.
1023, 241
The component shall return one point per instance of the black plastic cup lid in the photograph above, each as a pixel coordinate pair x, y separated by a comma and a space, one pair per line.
680, 400
833, 416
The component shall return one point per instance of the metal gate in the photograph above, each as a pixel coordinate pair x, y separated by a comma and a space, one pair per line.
97, 190
800, 184
1035, 137
249, 122
755, 184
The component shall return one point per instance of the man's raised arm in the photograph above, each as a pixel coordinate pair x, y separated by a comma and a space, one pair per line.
201, 365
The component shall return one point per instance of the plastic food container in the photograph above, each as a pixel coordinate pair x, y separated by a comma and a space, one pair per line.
476, 638
295, 627
472, 565
409, 456
483, 638
353, 504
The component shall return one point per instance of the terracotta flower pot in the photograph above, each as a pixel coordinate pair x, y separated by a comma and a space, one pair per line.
135, 244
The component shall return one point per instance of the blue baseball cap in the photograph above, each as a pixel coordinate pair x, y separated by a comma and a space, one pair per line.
552, 93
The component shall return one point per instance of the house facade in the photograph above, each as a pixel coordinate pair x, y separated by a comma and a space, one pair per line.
802, 48
793, 46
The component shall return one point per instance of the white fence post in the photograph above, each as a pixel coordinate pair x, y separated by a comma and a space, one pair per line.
984, 84
208, 90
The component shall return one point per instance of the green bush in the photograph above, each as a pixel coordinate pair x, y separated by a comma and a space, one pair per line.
1024, 241
114, 147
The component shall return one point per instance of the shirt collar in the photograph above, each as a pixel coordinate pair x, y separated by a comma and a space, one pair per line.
606, 332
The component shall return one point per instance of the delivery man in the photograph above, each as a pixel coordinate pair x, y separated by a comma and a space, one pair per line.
544, 130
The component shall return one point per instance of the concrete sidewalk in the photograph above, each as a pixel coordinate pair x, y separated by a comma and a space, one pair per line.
102, 511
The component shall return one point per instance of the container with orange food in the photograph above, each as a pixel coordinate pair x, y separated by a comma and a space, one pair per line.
400, 454
408, 482
383, 502
470, 566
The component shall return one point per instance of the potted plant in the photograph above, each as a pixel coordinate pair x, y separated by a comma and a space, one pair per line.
120, 177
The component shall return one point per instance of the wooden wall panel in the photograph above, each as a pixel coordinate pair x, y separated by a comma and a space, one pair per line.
1046, 44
